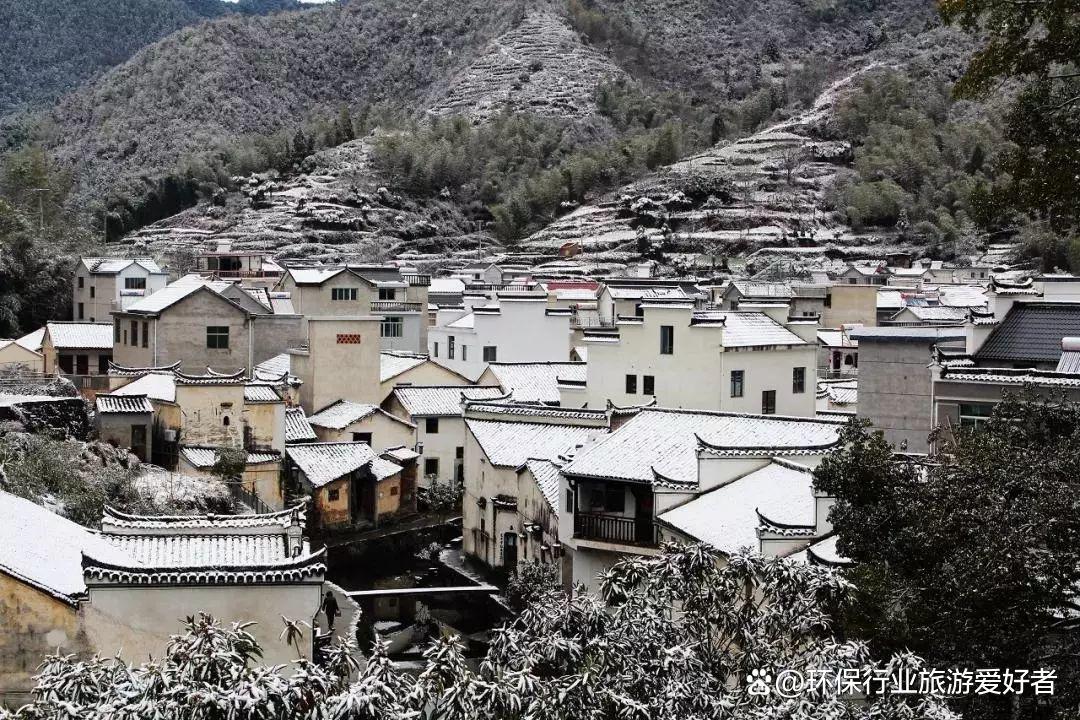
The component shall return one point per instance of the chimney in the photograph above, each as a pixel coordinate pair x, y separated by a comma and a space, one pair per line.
295, 535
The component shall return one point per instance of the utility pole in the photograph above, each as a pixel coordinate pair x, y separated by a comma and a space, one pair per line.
41, 206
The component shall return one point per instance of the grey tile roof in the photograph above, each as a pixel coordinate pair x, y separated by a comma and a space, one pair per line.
81, 335
392, 364
509, 444
536, 382
123, 404
440, 400
323, 463
1031, 332
344, 413
547, 477
747, 329
297, 427
114, 520
260, 394
660, 445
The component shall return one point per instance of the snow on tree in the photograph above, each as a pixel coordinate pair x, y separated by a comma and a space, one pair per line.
674, 636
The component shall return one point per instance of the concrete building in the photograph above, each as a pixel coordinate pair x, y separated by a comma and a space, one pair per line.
400, 299
436, 413
623, 297
850, 304
500, 438
202, 324
838, 353
15, 355
251, 267
340, 360
743, 361
106, 284
520, 328
895, 380
615, 488
80, 352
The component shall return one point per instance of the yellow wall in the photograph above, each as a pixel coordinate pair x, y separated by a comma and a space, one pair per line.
389, 500
334, 512
851, 304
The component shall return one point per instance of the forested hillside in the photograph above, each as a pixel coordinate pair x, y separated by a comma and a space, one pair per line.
49, 47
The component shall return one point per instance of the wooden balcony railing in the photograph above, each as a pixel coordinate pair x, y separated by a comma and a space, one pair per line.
614, 528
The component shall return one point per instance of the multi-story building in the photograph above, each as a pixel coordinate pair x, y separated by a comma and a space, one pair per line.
106, 284
753, 361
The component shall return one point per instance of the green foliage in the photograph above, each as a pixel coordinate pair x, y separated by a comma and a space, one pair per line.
444, 497
972, 557
531, 582
229, 463
915, 153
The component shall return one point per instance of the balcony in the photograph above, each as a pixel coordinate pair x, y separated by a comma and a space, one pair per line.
615, 529
381, 306
416, 280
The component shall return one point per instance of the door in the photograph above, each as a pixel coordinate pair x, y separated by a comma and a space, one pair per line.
82, 365
510, 550
138, 441
643, 515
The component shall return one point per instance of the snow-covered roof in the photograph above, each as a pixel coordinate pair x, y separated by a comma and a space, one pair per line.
575, 295
115, 521
727, 517
127, 403
111, 266
1011, 376
344, 413
755, 289
936, 313
32, 340
440, 400
392, 364
835, 338
275, 367
81, 335
660, 445
297, 427
15, 343
156, 386
965, 296
839, 393
647, 292
509, 444
314, 276
547, 477
824, 552
500, 408
447, 286
44, 550
255, 393
890, 299
323, 463
465, 322
202, 457
174, 292
210, 551
747, 329
538, 381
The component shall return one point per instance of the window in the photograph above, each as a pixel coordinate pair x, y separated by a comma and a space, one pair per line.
386, 293
648, 385
67, 363
80, 311
768, 402
392, 327
639, 311
667, 339
80, 282
394, 490
491, 353
146, 334
828, 299
103, 364
340, 294
631, 384
435, 350
569, 500
798, 380
450, 347
614, 498
431, 425
135, 333
431, 466
135, 283
853, 281
116, 331
92, 289
225, 421
362, 437
738, 381
973, 415
459, 452
333, 495
217, 337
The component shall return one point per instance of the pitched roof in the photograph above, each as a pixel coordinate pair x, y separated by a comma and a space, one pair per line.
297, 427
323, 463
937, 313
314, 276
174, 292
154, 385
32, 340
746, 329
114, 520
276, 366
547, 477
509, 444
44, 550
81, 335
202, 456
392, 364
1070, 355
660, 445
538, 381
123, 404
440, 400
646, 292
111, 266
754, 289
728, 517
344, 413
839, 393
1031, 332
256, 393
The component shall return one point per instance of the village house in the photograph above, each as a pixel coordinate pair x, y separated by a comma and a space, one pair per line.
615, 488
125, 590
252, 267
80, 352
435, 411
753, 361
126, 421
339, 360
837, 397
536, 382
738, 291
402, 368
106, 284
520, 327
15, 355
446, 291
500, 438
862, 274
623, 297
838, 353
200, 324
399, 299
538, 513
347, 421
350, 485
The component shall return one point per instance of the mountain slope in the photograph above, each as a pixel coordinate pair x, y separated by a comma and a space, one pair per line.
51, 46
